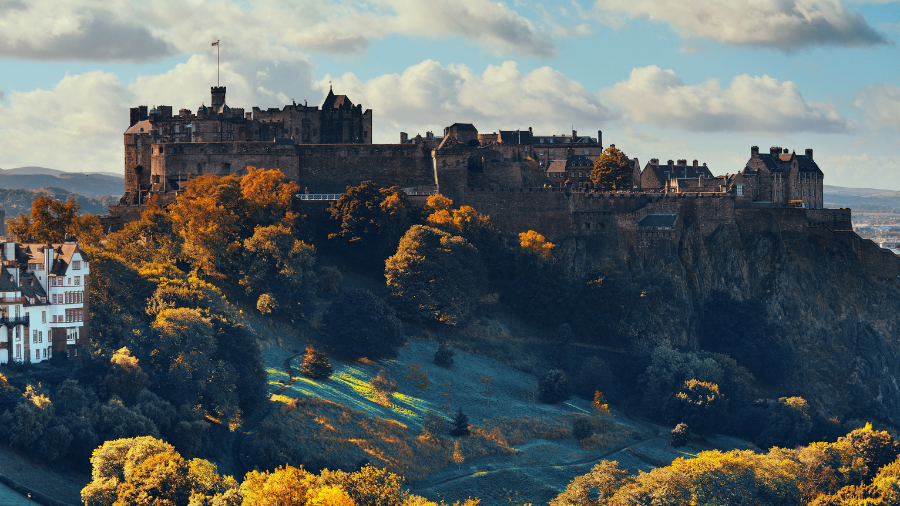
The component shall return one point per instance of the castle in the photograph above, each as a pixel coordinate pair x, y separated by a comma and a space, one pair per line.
522, 180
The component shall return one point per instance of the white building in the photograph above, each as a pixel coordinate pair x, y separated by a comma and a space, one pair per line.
44, 305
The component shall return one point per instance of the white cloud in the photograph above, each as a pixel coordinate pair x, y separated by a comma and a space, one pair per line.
98, 30
881, 104
431, 96
75, 126
750, 104
783, 24
862, 170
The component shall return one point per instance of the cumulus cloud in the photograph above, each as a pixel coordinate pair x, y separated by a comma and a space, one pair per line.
783, 24
881, 104
97, 30
431, 96
75, 126
48, 30
749, 104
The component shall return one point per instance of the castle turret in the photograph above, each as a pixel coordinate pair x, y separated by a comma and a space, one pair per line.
218, 97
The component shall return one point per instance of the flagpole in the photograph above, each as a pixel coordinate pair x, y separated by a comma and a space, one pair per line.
217, 62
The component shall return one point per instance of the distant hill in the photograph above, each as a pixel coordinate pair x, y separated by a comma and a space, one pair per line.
88, 184
15, 201
863, 199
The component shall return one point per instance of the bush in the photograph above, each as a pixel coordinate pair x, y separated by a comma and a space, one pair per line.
329, 280
443, 357
315, 364
681, 435
434, 424
554, 387
362, 325
383, 386
581, 427
266, 304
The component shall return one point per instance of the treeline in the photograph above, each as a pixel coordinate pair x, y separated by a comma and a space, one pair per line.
148, 471
859, 469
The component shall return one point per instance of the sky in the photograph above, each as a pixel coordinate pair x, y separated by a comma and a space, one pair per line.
667, 79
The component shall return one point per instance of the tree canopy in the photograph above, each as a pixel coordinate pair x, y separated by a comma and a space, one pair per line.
613, 170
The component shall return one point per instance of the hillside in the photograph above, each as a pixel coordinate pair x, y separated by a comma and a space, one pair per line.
862, 200
91, 185
15, 201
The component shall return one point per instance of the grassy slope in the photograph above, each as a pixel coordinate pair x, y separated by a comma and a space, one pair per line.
519, 449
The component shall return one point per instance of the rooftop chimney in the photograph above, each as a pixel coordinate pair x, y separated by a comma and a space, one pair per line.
600, 138
786, 150
654, 161
403, 137
754, 151
695, 163
671, 164
775, 150
809, 153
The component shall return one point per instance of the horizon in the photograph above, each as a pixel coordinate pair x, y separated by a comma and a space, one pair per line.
800, 76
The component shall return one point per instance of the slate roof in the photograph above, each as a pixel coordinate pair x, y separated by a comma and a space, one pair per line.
516, 137
140, 127
333, 101
657, 222
782, 162
464, 127
680, 171
579, 161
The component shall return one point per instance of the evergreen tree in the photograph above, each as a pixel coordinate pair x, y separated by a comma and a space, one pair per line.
443, 357
315, 364
460, 424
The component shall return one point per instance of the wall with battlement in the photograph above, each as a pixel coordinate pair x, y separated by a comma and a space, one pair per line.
321, 168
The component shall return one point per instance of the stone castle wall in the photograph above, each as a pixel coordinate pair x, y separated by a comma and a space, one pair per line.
320, 168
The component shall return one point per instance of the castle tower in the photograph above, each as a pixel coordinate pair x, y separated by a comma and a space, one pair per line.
218, 97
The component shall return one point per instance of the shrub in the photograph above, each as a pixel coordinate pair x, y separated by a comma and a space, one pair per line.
383, 386
554, 387
315, 364
434, 425
581, 427
266, 304
681, 435
362, 325
443, 357
329, 280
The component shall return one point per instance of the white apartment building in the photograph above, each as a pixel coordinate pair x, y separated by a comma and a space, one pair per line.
44, 305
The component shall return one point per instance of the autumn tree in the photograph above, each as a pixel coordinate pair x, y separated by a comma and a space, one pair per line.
272, 253
475, 228
383, 386
613, 170
152, 239
434, 276
680, 435
125, 377
315, 364
596, 487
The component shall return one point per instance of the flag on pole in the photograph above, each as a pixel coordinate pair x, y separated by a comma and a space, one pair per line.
216, 43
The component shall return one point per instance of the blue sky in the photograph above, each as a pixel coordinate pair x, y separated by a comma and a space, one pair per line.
662, 79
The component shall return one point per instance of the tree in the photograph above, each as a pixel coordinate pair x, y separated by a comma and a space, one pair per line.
595, 488
554, 387
315, 364
488, 392
50, 220
460, 424
275, 260
876, 448
152, 239
434, 276
475, 228
443, 357
285, 486
328, 280
371, 217
457, 457
613, 170
125, 377
361, 325
699, 404
681, 435
160, 479
536, 243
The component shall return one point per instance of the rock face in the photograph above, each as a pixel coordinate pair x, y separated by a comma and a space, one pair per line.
829, 301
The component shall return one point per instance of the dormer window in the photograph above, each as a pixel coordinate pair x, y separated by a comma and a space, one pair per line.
76, 265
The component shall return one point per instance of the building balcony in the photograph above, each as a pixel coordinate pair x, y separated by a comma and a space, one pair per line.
14, 320
13, 300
